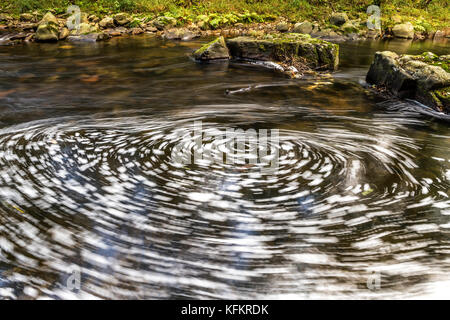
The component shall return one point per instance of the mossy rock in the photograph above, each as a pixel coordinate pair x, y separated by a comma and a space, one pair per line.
122, 19
422, 77
163, 22
314, 53
214, 50
47, 32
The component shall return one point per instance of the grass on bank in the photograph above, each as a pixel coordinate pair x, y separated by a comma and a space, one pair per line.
426, 15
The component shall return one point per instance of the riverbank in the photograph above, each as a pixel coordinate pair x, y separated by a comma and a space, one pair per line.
185, 20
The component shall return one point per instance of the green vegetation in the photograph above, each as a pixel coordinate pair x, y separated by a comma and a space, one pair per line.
435, 60
424, 14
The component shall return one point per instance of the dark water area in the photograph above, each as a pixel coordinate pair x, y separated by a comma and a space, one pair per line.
358, 206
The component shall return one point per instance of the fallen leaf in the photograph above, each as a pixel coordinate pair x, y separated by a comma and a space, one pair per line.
66, 47
93, 78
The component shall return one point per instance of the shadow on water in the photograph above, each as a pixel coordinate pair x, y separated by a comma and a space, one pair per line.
87, 178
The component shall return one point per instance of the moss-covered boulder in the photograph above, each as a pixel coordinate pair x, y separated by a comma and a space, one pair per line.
424, 77
214, 50
292, 47
48, 28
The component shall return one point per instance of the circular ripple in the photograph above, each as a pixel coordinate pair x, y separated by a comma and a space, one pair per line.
125, 194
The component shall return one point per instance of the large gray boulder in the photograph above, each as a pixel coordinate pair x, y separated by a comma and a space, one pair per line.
292, 48
403, 30
423, 77
48, 28
216, 49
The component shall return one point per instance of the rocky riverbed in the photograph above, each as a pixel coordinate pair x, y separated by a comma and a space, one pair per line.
49, 27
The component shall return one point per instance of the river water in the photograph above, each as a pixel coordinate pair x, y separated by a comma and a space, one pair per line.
93, 205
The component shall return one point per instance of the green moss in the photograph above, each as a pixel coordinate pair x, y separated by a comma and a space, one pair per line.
443, 95
435, 60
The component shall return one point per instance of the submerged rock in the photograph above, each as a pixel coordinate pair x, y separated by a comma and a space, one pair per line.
216, 49
404, 30
48, 28
292, 48
424, 77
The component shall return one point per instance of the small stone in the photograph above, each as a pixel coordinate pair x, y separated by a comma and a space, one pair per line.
93, 18
106, 22
83, 28
303, 27
404, 30
164, 22
150, 29
203, 25
339, 18
121, 19
63, 34
282, 27
26, 17
5, 17
439, 34
136, 31
349, 27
